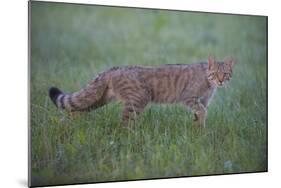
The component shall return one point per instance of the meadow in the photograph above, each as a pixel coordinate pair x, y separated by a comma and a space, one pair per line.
71, 44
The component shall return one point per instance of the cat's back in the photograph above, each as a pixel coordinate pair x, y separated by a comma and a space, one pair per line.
158, 72
175, 70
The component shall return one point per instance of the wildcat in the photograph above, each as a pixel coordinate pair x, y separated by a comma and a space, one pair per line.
135, 86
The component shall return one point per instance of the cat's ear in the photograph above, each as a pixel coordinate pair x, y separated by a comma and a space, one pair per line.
211, 61
230, 61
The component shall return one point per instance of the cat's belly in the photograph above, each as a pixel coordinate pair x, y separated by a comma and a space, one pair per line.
164, 98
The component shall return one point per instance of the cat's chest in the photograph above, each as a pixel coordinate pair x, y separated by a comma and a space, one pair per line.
208, 93
199, 87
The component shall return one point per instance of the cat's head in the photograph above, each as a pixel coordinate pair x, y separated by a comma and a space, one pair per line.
219, 73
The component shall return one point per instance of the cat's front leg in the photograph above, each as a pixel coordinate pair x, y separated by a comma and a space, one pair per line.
199, 110
200, 113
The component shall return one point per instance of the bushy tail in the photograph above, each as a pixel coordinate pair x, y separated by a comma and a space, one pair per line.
54, 93
88, 97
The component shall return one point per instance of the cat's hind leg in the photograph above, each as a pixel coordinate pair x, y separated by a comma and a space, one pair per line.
130, 112
134, 104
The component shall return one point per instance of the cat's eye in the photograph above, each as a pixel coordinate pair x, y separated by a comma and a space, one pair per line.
211, 76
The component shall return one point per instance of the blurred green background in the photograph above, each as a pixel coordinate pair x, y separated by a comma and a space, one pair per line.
70, 44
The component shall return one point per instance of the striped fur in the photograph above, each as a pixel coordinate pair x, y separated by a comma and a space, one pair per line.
135, 86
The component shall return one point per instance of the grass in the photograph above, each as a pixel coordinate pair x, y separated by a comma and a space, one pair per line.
70, 44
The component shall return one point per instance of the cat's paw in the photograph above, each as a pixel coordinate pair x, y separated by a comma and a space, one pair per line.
198, 124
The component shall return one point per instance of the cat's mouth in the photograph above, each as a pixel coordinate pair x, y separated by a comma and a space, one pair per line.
220, 84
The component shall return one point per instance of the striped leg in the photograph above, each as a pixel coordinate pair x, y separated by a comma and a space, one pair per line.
130, 112
134, 97
199, 111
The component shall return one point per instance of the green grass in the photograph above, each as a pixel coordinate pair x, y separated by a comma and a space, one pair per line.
70, 44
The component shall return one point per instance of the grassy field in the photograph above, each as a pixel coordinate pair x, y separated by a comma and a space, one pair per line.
70, 44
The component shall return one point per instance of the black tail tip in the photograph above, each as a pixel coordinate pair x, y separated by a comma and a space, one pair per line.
54, 93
